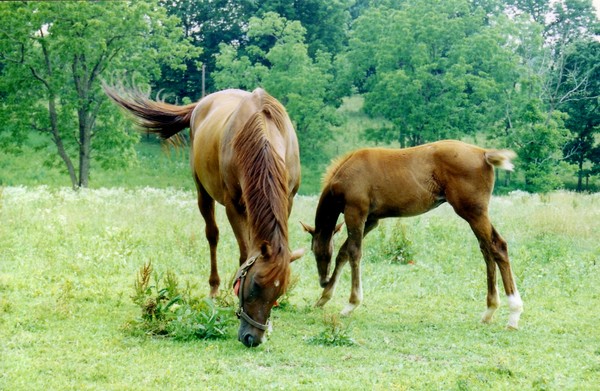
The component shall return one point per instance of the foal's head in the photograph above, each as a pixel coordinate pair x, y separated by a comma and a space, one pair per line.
322, 248
259, 282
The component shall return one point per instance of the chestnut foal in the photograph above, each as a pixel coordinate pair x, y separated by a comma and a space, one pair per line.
374, 183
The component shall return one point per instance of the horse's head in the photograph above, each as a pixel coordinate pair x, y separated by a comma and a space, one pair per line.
322, 248
259, 282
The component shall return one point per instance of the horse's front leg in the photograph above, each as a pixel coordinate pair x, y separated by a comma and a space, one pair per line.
237, 220
329, 289
358, 227
356, 294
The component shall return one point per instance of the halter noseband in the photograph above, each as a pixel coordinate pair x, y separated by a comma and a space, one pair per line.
241, 277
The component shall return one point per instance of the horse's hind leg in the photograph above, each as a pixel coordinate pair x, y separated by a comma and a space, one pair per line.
207, 208
495, 252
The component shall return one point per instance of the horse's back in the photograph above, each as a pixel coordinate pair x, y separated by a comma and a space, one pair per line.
216, 121
404, 182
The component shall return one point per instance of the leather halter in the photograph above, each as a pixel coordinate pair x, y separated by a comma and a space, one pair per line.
241, 277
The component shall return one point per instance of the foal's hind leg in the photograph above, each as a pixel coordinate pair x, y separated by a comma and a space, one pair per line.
495, 252
207, 208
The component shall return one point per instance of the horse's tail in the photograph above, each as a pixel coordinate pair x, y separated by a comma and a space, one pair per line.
160, 118
500, 158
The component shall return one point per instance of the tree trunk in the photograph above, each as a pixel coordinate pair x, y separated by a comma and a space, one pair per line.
58, 141
62, 152
580, 176
84, 149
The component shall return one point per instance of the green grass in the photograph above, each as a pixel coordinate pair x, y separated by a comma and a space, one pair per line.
69, 261
156, 166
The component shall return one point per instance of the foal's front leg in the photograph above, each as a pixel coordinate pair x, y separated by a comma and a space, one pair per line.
356, 295
329, 289
354, 254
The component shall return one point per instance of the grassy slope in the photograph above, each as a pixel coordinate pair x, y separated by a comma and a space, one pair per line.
68, 261
156, 167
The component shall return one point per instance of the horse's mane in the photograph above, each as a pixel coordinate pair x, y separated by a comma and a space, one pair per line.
265, 180
333, 168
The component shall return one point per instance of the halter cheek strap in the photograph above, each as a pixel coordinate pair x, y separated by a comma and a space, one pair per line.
238, 284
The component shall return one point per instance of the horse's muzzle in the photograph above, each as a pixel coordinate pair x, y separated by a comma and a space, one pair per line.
250, 341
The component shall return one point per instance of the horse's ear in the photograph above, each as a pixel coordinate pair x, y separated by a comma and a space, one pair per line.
338, 228
297, 254
266, 250
308, 228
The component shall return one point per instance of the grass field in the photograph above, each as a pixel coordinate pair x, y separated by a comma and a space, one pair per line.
68, 262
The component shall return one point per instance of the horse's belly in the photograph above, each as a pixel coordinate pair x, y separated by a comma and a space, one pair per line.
404, 206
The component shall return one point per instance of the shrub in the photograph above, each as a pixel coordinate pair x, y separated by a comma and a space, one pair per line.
167, 310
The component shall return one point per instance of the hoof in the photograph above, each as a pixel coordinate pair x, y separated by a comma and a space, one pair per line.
347, 311
322, 301
512, 328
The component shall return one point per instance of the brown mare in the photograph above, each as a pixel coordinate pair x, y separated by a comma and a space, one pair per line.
370, 184
244, 155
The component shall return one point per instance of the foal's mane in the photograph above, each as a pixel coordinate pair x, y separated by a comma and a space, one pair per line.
265, 182
333, 168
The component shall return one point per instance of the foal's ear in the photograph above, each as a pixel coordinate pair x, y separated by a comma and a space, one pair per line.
308, 228
265, 249
297, 254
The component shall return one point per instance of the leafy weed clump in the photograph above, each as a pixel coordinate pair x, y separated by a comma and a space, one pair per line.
396, 246
334, 334
170, 311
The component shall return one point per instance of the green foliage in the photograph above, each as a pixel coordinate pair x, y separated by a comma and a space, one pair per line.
398, 247
539, 142
202, 321
582, 107
433, 71
53, 58
278, 61
334, 334
169, 311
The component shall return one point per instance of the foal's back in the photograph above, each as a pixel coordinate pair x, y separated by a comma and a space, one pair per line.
409, 181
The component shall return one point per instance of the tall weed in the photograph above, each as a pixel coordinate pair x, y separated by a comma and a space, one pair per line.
168, 310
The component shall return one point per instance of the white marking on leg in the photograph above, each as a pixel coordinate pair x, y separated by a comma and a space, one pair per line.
348, 309
488, 315
352, 306
515, 304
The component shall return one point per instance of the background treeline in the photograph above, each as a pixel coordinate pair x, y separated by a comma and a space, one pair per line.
522, 74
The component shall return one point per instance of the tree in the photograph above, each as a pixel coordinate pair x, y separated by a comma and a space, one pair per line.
582, 74
287, 72
326, 21
433, 71
567, 80
210, 23
53, 57
207, 24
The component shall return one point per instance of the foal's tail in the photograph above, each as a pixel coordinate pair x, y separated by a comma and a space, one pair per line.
159, 118
500, 158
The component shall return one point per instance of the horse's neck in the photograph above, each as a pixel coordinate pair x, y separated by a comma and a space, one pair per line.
328, 211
